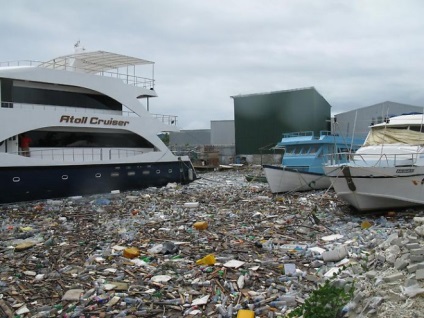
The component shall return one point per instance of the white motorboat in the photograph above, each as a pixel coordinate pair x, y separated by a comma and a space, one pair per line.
304, 156
387, 172
89, 131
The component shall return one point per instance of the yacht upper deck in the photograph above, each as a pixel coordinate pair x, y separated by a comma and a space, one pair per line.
98, 63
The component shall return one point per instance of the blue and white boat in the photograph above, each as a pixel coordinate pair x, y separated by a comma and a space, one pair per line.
90, 133
304, 157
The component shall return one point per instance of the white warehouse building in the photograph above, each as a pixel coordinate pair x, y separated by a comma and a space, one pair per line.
356, 122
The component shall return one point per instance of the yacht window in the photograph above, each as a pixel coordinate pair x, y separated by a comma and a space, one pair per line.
313, 149
294, 150
87, 139
47, 96
289, 150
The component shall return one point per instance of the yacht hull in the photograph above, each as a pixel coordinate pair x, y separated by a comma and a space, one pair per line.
45, 182
281, 179
377, 188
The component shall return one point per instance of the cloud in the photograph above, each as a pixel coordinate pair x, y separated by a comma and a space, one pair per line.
355, 53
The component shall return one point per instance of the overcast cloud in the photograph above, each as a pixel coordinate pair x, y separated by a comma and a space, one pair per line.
354, 52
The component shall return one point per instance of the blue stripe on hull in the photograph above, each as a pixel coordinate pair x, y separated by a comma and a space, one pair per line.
35, 183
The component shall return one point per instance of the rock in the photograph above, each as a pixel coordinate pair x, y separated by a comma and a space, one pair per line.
420, 230
393, 277
392, 253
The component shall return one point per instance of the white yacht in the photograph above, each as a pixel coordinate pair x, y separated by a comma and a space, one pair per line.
387, 172
89, 131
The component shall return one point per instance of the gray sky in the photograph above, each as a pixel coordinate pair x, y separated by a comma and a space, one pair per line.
354, 52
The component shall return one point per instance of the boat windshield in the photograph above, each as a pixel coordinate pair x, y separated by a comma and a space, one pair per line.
301, 150
378, 136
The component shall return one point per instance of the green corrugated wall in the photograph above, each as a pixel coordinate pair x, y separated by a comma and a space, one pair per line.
261, 119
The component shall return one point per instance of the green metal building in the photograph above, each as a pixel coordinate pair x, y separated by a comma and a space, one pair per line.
261, 119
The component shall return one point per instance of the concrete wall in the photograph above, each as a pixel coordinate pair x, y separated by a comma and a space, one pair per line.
195, 137
222, 132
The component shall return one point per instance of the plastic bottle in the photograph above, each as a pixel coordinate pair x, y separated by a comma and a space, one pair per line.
230, 310
77, 311
175, 301
130, 300
201, 284
278, 303
122, 314
222, 311
261, 310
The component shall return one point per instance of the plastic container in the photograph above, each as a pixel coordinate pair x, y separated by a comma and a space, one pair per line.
131, 252
245, 313
335, 255
191, 204
202, 225
207, 260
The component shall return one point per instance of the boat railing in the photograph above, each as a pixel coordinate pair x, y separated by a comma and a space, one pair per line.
126, 113
21, 63
376, 160
140, 81
326, 133
166, 119
131, 79
298, 134
83, 154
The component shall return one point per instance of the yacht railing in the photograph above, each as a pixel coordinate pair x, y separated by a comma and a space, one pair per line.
145, 82
20, 63
66, 109
83, 154
377, 160
166, 119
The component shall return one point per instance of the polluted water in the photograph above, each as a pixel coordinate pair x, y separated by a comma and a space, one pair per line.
218, 247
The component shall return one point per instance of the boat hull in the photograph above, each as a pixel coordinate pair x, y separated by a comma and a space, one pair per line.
282, 179
19, 184
377, 188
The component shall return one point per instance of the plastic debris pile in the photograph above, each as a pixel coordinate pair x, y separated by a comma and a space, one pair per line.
219, 247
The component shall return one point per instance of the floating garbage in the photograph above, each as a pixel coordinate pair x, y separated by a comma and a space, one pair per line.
201, 225
131, 252
217, 247
207, 260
